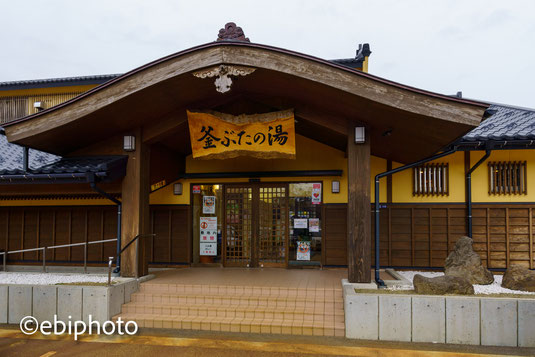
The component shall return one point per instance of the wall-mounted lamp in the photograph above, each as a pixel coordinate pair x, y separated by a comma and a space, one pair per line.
177, 188
360, 135
335, 186
129, 143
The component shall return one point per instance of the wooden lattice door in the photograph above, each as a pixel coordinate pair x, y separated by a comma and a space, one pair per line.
272, 224
256, 225
238, 230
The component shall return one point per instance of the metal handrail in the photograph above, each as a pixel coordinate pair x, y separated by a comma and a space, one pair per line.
111, 259
85, 244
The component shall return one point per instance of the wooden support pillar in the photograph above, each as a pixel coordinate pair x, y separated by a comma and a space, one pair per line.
135, 208
358, 208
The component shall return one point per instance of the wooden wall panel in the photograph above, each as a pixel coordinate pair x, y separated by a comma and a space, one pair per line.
411, 235
335, 236
424, 235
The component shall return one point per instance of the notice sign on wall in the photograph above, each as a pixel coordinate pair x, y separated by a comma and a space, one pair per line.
209, 249
316, 193
208, 226
208, 204
303, 250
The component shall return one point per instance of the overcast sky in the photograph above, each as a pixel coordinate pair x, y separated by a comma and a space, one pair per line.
484, 48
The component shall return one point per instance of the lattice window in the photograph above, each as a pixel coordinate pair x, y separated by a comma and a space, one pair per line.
507, 178
431, 180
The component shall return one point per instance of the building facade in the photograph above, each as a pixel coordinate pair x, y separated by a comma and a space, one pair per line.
313, 208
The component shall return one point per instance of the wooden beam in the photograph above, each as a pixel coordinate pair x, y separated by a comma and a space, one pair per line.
135, 200
358, 209
165, 126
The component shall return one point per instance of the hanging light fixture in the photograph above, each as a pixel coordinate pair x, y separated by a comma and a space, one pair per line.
177, 188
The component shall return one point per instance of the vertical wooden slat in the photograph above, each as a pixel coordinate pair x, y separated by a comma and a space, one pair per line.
412, 236
170, 234
488, 239
389, 236
530, 238
447, 231
37, 233
430, 236
22, 231
54, 233
102, 234
8, 213
152, 237
70, 233
507, 235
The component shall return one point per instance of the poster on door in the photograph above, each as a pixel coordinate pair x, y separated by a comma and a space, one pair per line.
300, 223
208, 204
303, 250
208, 249
316, 193
208, 226
314, 225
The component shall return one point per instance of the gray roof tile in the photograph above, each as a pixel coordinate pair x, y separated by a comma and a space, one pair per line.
507, 123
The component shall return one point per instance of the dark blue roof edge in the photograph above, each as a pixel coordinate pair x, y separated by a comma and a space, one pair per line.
57, 82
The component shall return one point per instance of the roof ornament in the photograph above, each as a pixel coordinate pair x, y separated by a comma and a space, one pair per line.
231, 32
222, 74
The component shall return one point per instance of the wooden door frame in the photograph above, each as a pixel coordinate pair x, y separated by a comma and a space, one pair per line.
254, 261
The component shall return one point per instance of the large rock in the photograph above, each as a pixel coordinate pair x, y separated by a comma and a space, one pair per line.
465, 263
517, 277
442, 285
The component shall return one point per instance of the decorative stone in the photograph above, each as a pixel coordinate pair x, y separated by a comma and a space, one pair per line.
442, 285
517, 277
464, 262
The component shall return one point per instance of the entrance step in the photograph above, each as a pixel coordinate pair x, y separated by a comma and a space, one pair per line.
251, 309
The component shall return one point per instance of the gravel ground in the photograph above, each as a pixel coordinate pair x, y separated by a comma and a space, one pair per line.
494, 288
50, 278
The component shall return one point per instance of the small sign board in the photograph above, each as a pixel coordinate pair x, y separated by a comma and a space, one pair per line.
316, 193
303, 250
208, 227
196, 188
208, 204
208, 249
300, 223
314, 224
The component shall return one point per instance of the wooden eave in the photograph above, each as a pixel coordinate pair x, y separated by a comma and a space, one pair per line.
325, 96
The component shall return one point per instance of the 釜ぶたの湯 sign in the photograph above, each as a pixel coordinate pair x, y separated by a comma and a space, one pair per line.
222, 136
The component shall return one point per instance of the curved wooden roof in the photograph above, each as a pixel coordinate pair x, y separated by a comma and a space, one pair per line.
325, 96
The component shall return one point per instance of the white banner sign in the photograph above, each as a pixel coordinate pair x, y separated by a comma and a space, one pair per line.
208, 227
300, 223
209, 249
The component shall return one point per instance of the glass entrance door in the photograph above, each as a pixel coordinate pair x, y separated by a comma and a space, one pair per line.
256, 224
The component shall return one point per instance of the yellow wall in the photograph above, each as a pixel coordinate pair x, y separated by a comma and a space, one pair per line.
402, 184
311, 155
480, 179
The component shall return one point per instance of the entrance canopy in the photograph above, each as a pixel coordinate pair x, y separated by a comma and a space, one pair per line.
405, 124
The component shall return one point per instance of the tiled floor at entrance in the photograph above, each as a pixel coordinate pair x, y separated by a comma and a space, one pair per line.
277, 301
